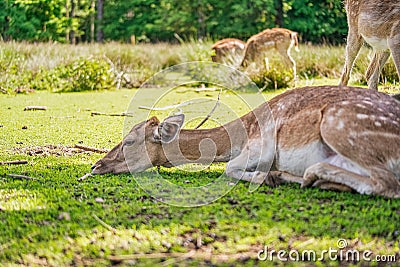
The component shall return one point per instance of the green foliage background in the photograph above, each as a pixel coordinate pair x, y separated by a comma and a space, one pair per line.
319, 21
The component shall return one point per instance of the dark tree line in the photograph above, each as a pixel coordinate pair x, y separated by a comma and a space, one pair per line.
73, 21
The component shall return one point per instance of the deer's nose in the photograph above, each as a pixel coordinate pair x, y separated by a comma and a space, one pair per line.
96, 164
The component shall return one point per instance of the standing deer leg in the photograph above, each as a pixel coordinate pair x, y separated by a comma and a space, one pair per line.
375, 67
354, 43
249, 54
394, 45
221, 55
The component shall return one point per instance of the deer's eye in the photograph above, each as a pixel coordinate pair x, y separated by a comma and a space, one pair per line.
129, 142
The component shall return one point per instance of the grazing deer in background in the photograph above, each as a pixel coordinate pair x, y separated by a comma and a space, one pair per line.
228, 51
280, 39
378, 23
322, 136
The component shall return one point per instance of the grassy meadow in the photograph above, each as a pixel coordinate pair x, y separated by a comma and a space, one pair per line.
56, 220
63, 68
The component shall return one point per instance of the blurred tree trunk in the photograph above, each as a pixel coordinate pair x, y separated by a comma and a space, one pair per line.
201, 31
100, 34
67, 17
72, 16
92, 13
5, 37
279, 13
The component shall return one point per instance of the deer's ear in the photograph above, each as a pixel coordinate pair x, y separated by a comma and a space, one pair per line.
169, 128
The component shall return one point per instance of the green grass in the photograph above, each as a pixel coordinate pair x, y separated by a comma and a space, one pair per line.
50, 220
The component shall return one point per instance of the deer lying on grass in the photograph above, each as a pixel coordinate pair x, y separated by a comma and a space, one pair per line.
228, 51
280, 39
378, 23
322, 136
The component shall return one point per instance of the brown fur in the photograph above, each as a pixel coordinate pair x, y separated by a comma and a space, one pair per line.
378, 22
277, 38
228, 51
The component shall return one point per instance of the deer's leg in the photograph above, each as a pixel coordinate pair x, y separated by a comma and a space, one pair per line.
361, 160
285, 177
217, 56
249, 54
253, 164
327, 172
272, 178
375, 67
257, 177
354, 43
394, 45
381, 182
222, 56
238, 58
322, 184
242, 169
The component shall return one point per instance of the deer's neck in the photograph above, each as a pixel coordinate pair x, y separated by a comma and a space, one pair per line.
218, 144
205, 145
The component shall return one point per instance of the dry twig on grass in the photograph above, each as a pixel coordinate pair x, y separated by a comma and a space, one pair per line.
14, 162
120, 258
200, 255
185, 256
166, 107
172, 106
92, 149
87, 175
35, 108
18, 176
123, 114
205, 89
197, 90
108, 227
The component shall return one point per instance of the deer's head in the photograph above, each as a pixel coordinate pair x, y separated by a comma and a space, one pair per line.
142, 148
